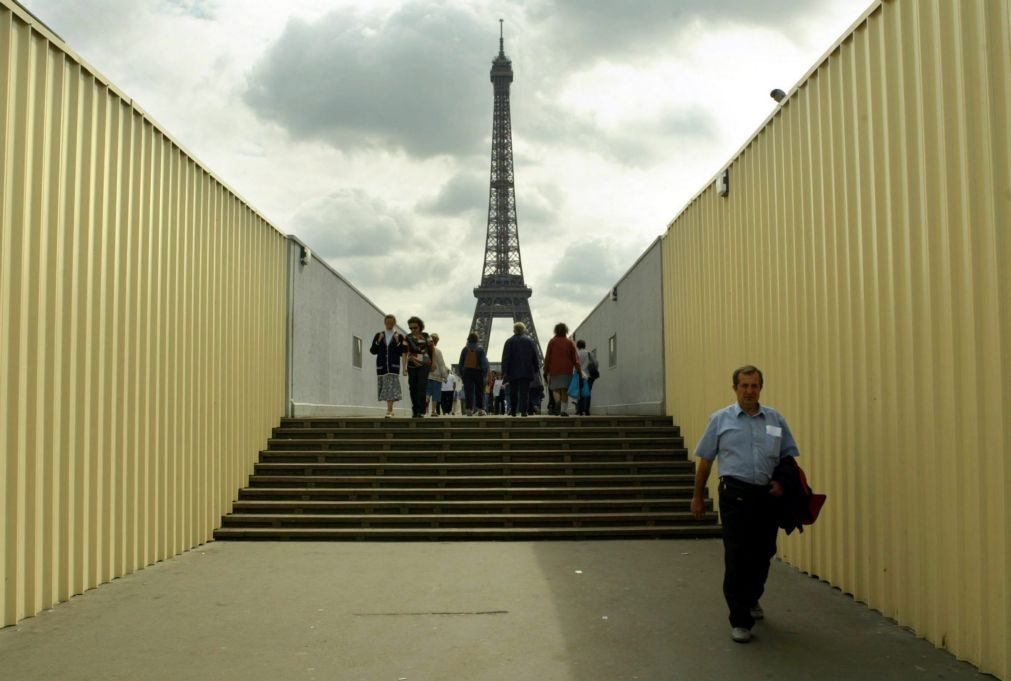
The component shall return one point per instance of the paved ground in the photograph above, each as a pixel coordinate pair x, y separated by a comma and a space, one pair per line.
551, 611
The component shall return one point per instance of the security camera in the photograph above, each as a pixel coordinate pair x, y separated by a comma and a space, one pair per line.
306, 255
778, 95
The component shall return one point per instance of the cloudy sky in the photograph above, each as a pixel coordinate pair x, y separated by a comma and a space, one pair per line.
364, 126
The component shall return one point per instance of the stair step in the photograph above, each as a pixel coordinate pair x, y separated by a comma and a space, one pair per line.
440, 481
461, 493
461, 433
424, 506
461, 520
488, 456
529, 422
472, 533
275, 444
546, 467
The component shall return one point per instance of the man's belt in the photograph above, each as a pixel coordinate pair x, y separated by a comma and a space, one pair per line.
740, 485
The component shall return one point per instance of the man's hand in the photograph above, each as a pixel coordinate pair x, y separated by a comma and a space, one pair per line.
698, 507
775, 489
702, 468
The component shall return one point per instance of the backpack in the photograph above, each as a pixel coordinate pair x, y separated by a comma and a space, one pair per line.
593, 370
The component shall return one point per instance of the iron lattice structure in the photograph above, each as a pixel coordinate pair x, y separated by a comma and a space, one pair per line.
502, 292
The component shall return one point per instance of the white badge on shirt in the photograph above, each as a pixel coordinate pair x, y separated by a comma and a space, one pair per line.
774, 431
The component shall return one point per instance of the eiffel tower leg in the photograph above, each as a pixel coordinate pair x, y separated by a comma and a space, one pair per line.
483, 313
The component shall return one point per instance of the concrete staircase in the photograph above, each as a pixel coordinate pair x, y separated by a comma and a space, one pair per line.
470, 478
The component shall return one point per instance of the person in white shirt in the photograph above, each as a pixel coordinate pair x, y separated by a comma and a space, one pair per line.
498, 393
449, 388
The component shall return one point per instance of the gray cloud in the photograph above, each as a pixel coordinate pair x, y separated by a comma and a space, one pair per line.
466, 195
349, 223
407, 81
458, 299
586, 270
645, 142
409, 275
465, 192
598, 29
413, 81
650, 142
83, 25
200, 9
538, 205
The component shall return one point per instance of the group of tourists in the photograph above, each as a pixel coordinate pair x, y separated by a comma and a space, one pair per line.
569, 371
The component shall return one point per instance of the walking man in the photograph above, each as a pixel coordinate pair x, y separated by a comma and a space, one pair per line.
519, 366
749, 439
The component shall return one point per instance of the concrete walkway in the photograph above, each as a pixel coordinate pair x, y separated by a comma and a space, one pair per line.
552, 611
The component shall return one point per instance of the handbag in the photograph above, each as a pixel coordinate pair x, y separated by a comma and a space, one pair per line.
574, 386
417, 356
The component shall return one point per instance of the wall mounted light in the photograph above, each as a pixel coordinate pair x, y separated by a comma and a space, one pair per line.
723, 183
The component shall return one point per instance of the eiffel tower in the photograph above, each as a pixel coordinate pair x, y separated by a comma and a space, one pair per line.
502, 292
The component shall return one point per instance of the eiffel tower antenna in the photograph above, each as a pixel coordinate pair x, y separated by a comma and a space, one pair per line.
502, 292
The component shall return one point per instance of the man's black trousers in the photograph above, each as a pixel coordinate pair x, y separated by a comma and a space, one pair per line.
748, 514
519, 396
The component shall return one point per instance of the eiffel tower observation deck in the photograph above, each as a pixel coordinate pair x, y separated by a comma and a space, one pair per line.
502, 292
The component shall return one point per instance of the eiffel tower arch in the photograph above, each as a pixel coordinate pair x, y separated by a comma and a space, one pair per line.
502, 292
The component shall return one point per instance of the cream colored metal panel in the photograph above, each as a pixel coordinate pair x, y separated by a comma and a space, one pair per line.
874, 211
8, 491
132, 400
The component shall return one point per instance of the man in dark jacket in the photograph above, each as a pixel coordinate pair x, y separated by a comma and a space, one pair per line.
519, 366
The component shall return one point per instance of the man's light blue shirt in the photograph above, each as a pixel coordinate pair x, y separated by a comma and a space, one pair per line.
748, 447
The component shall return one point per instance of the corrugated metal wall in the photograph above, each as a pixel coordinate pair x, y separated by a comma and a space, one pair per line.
863, 260
142, 340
